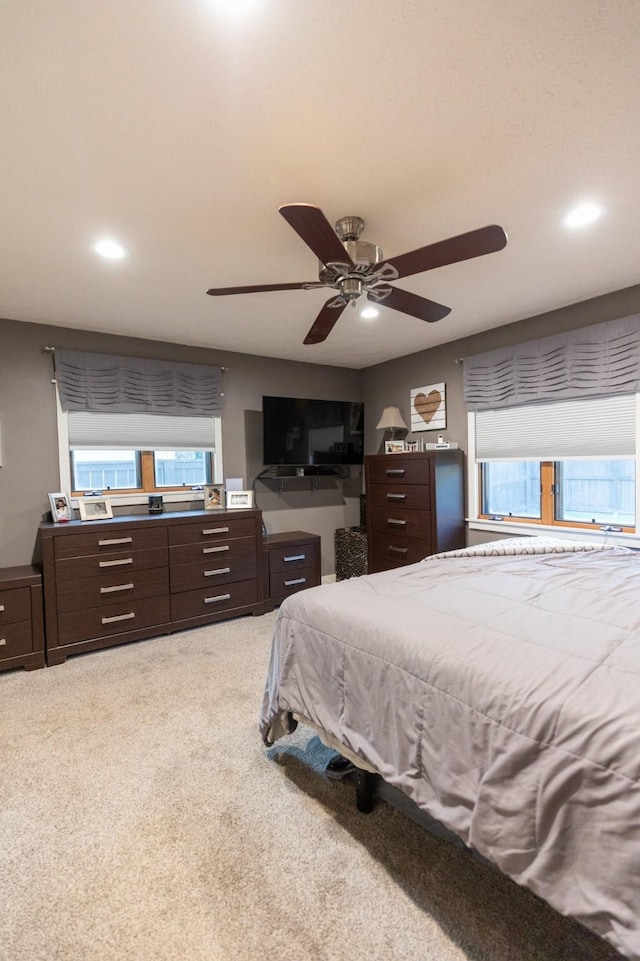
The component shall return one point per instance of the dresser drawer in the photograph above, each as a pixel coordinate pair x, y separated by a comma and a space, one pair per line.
213, 551
211, 529
385, 497
398, 520
216, 597
396, 469
75, 568
288, 582
212, 570
112, 619
15, 605
399, 549
125, 585
105, 542
15, 639
291, 558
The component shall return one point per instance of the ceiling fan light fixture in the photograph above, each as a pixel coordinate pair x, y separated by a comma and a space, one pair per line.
584, 214
110, 249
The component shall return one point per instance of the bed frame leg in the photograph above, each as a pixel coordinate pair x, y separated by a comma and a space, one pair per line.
364, 791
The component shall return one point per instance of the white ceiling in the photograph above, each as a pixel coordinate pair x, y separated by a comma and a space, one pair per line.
180, 129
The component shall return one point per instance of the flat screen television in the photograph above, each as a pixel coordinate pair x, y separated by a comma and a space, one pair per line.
300, 432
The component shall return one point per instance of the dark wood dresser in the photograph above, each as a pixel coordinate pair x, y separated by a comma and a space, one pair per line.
137, 576
292, 564
21, 618
415, 506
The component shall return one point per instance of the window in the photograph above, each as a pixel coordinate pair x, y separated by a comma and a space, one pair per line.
131, 470
567, 493
138, 453
569, 463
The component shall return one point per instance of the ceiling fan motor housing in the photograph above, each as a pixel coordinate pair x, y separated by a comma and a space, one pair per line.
365, 257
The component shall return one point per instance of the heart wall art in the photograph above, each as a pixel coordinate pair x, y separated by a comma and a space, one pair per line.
428, 408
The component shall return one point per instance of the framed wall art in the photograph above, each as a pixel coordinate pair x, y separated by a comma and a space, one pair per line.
428, 408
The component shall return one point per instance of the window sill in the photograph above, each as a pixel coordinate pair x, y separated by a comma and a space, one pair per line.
131, 500
567, 533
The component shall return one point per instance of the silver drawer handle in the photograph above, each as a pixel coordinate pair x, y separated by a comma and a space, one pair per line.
118, 587
217, 530
294, 557
396, 497
398, 550
220, 570
215, 550
125, 560
392, 520
115, 540
395, 471
298, 580
119, 617
220, 597
3, 641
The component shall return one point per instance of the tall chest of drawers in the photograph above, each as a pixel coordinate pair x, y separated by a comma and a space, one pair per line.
415, 506
137, 576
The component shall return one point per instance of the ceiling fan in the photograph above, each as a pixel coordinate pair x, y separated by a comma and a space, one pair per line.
354, 267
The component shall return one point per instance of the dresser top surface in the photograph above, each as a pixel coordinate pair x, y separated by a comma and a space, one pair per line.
51, 529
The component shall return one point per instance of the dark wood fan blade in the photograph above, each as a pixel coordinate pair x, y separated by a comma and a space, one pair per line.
414, 305
324, 322
260, 288
313, 227
475, 243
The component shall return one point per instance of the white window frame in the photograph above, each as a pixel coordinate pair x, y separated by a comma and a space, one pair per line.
508, 527
130, 500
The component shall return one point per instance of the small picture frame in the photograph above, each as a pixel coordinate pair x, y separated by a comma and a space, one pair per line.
214, 497
61, 509
394, 447
239, 499
411, 445
95, 508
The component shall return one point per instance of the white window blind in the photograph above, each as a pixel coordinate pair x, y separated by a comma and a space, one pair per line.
88, 430
599, 428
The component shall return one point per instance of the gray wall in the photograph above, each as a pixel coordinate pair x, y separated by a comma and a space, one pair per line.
390, 384
28, 419
29, 435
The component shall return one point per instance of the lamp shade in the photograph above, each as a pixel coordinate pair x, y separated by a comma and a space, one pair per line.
391, 420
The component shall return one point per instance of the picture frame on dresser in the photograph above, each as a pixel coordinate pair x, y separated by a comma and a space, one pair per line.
394, 447
95, 509
61, 509
214, 497
239, 499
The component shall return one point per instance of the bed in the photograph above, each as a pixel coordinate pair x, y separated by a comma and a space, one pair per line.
497, 688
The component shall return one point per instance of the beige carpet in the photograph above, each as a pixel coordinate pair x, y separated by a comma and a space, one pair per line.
142, 818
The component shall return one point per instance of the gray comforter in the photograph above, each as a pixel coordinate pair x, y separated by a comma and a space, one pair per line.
501, 694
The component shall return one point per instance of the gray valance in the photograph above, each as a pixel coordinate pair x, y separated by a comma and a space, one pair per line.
600, 360
129, 385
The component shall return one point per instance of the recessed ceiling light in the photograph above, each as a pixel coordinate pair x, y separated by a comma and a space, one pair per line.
584, 214
369, 313
110, 249
239, 7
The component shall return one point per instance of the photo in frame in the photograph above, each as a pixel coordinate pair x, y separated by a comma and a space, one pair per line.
394, 447
95, 508
238, 499
214, 497
61, 509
